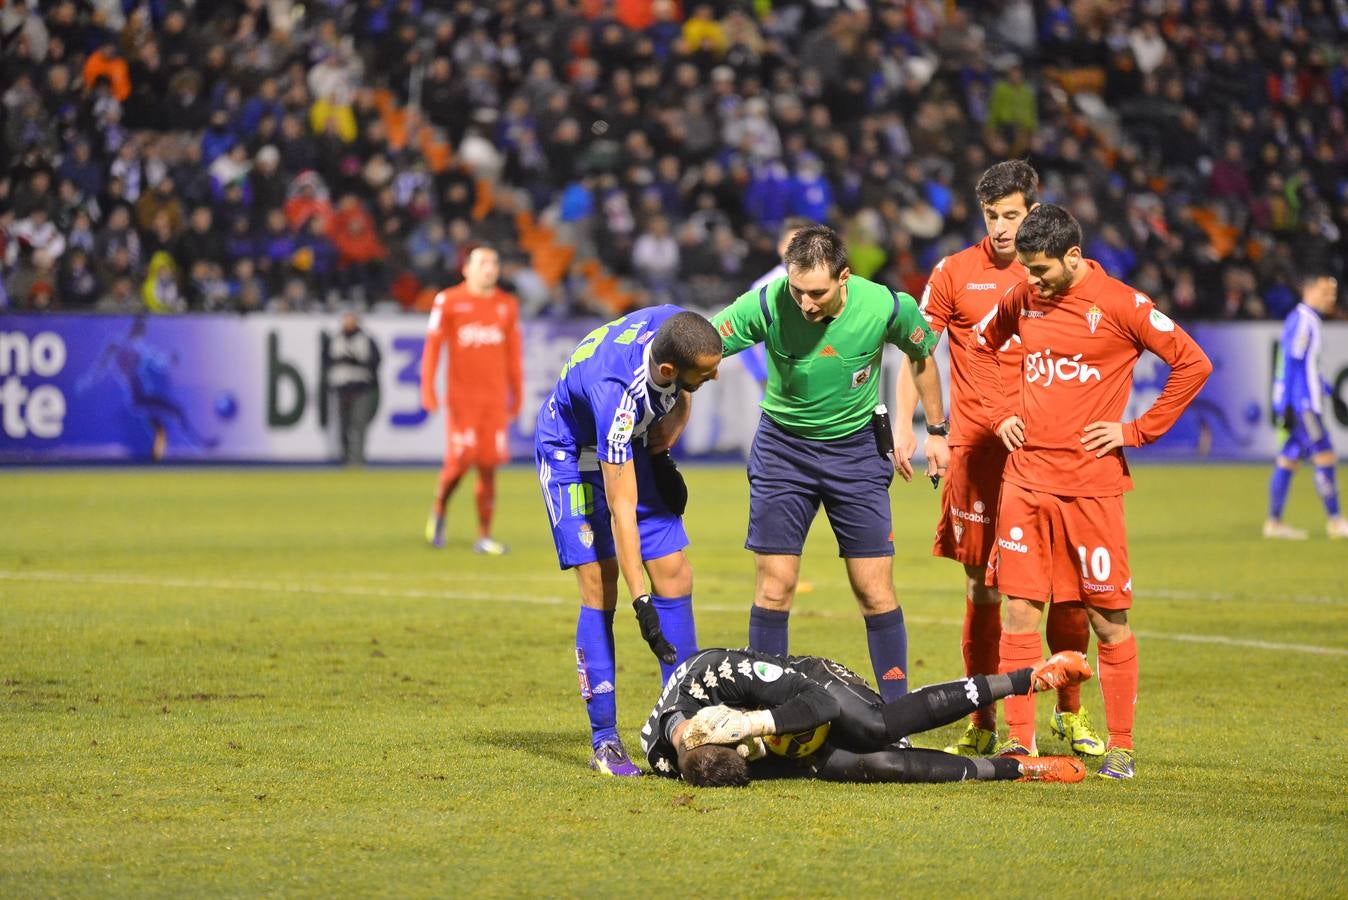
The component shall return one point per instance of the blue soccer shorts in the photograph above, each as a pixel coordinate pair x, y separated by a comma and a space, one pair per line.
579, 515
1307, 437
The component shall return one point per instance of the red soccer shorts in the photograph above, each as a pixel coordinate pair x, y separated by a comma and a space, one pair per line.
476, 438
1061, 549
973, 482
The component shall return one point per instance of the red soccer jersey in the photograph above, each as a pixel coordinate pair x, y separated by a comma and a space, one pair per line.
964, 287
1080, 350
483, 338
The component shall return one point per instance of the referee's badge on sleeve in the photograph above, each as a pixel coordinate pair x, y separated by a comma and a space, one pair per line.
861, 376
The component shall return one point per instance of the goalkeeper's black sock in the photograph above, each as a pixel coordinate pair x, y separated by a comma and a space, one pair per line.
939, 704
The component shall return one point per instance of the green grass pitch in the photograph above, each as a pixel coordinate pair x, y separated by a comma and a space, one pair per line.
235, 682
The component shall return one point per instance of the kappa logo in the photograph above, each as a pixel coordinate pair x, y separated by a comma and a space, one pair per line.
981, 286
828, 351
861, 376
971, 691
1093, 317
1140, 300
1032, 314
586, 535
663, 765
894, 674
1014, 545
1096, 588
726, 329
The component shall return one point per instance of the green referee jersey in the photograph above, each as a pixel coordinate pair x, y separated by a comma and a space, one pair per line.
823, 377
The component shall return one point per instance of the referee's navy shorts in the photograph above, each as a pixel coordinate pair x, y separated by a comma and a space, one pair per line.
790, 475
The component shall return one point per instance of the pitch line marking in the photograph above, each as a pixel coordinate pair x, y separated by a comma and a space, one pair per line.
115, 578
1160, 593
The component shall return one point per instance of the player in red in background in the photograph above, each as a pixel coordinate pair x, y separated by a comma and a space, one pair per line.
965, 287
479, 324
1060, 527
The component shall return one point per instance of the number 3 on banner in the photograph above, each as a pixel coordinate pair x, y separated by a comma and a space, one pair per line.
1099, 566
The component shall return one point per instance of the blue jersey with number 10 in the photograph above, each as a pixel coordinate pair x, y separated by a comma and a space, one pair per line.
604, 400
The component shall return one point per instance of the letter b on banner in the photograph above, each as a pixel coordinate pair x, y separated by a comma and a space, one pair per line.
278, 371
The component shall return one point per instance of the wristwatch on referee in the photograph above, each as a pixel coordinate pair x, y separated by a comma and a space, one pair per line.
940, 429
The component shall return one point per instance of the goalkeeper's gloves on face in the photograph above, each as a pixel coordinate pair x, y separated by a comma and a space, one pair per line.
723, 725
648, 620
669, 483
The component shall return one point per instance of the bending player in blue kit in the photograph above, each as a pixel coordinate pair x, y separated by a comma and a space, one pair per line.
1299, 392
614, 499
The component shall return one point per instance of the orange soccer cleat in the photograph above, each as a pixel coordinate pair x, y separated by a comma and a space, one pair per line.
1060, 670
1059, 769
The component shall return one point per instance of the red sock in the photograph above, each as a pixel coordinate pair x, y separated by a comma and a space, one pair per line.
1067, 629
449, 480
1118, 684
486, 500
1019, 651
982, 633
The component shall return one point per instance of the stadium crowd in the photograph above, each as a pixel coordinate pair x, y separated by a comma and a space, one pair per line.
264, 154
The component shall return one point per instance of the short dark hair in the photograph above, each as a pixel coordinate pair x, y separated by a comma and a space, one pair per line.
814, 245
1048, 229
792, 225
713, 765
1010, 176
683, 339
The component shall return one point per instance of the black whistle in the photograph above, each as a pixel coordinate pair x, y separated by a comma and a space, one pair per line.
884, 434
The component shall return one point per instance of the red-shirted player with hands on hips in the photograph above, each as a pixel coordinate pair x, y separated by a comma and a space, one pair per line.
479, 324
965, 287
1060, 528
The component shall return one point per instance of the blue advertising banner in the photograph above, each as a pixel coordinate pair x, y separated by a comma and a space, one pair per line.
229, 388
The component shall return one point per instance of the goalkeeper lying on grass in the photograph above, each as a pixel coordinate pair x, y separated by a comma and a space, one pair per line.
807, 716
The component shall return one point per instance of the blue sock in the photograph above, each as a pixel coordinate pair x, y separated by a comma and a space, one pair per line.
676, 621
1327, 489
767, 630
888, 639
595, 668
1278, 486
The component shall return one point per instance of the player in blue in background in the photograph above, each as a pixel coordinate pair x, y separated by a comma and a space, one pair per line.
146, 375
622, 397
1299, 392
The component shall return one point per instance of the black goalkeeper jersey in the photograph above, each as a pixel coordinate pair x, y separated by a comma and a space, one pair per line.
740, 679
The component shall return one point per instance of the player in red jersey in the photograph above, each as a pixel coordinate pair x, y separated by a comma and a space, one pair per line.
479, 324
1060, 528
965, 287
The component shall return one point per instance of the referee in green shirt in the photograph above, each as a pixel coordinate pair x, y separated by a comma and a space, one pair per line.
825, 331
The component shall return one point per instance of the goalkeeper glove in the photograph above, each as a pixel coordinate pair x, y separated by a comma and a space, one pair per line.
648, 620
723, 725
669, 483
752, 749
